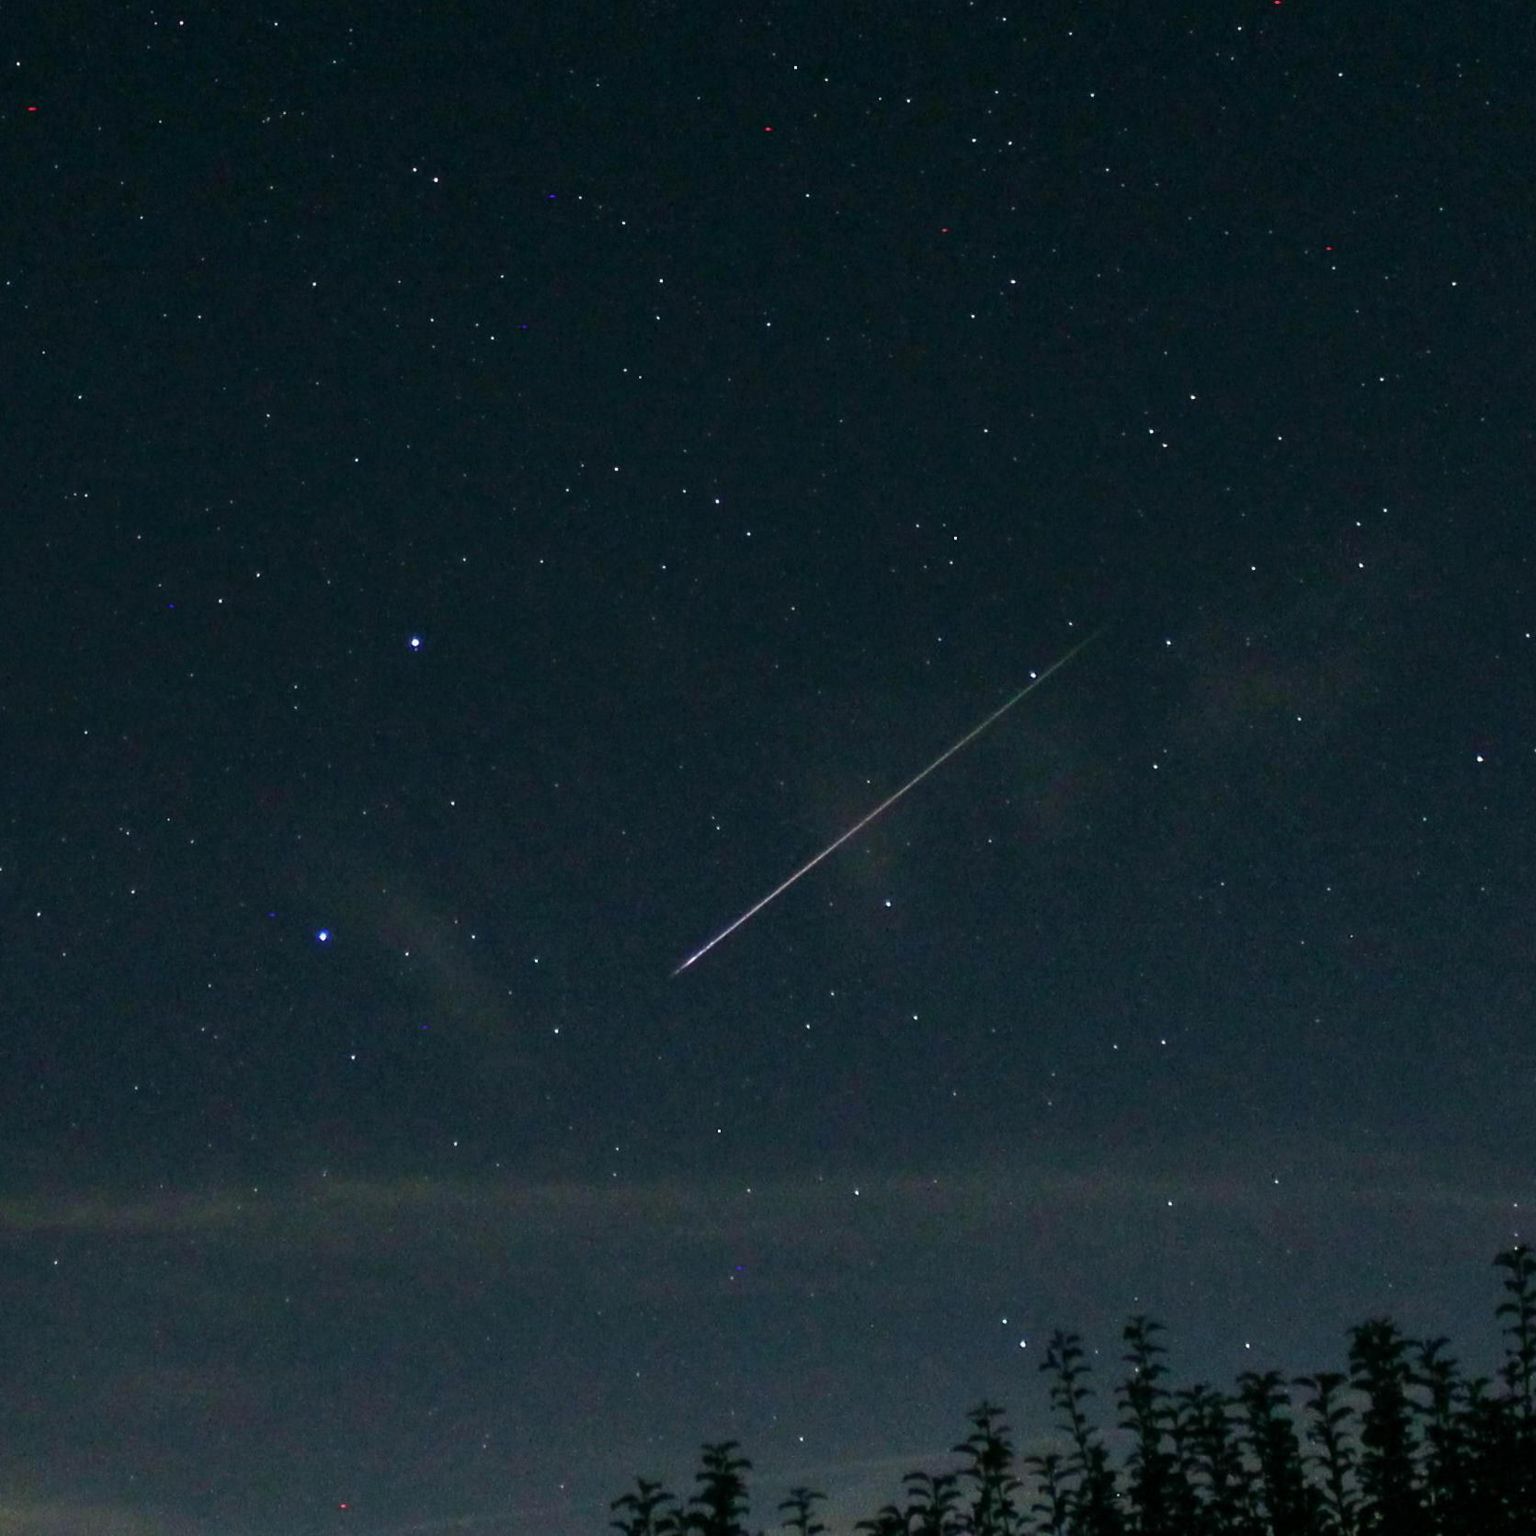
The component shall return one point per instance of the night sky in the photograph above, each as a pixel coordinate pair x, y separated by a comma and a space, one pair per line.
490, 490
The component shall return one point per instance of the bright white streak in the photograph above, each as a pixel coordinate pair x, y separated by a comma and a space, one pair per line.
887, 803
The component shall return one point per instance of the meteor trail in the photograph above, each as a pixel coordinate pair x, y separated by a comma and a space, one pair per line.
885, 805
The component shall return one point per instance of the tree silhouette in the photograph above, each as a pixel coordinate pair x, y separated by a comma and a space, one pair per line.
932, 1500
1447, 1481
1496, 1461
989, 1473
720, 1505
1400, 1445
1148, 1413
1520, 1361
1379, 1363
1211, 1487
1052, 1508
890, 1521
800, 1504
648, 1511
1328, 1431
1094, 1511
1288, 1504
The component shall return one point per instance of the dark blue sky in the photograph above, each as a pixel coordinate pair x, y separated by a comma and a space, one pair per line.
491, 490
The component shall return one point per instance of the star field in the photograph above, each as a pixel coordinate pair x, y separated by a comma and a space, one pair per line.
492, 491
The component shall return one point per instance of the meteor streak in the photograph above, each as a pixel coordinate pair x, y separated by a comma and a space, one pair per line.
885, 805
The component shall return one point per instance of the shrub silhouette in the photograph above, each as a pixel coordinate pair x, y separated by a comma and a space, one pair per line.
1402, 1444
